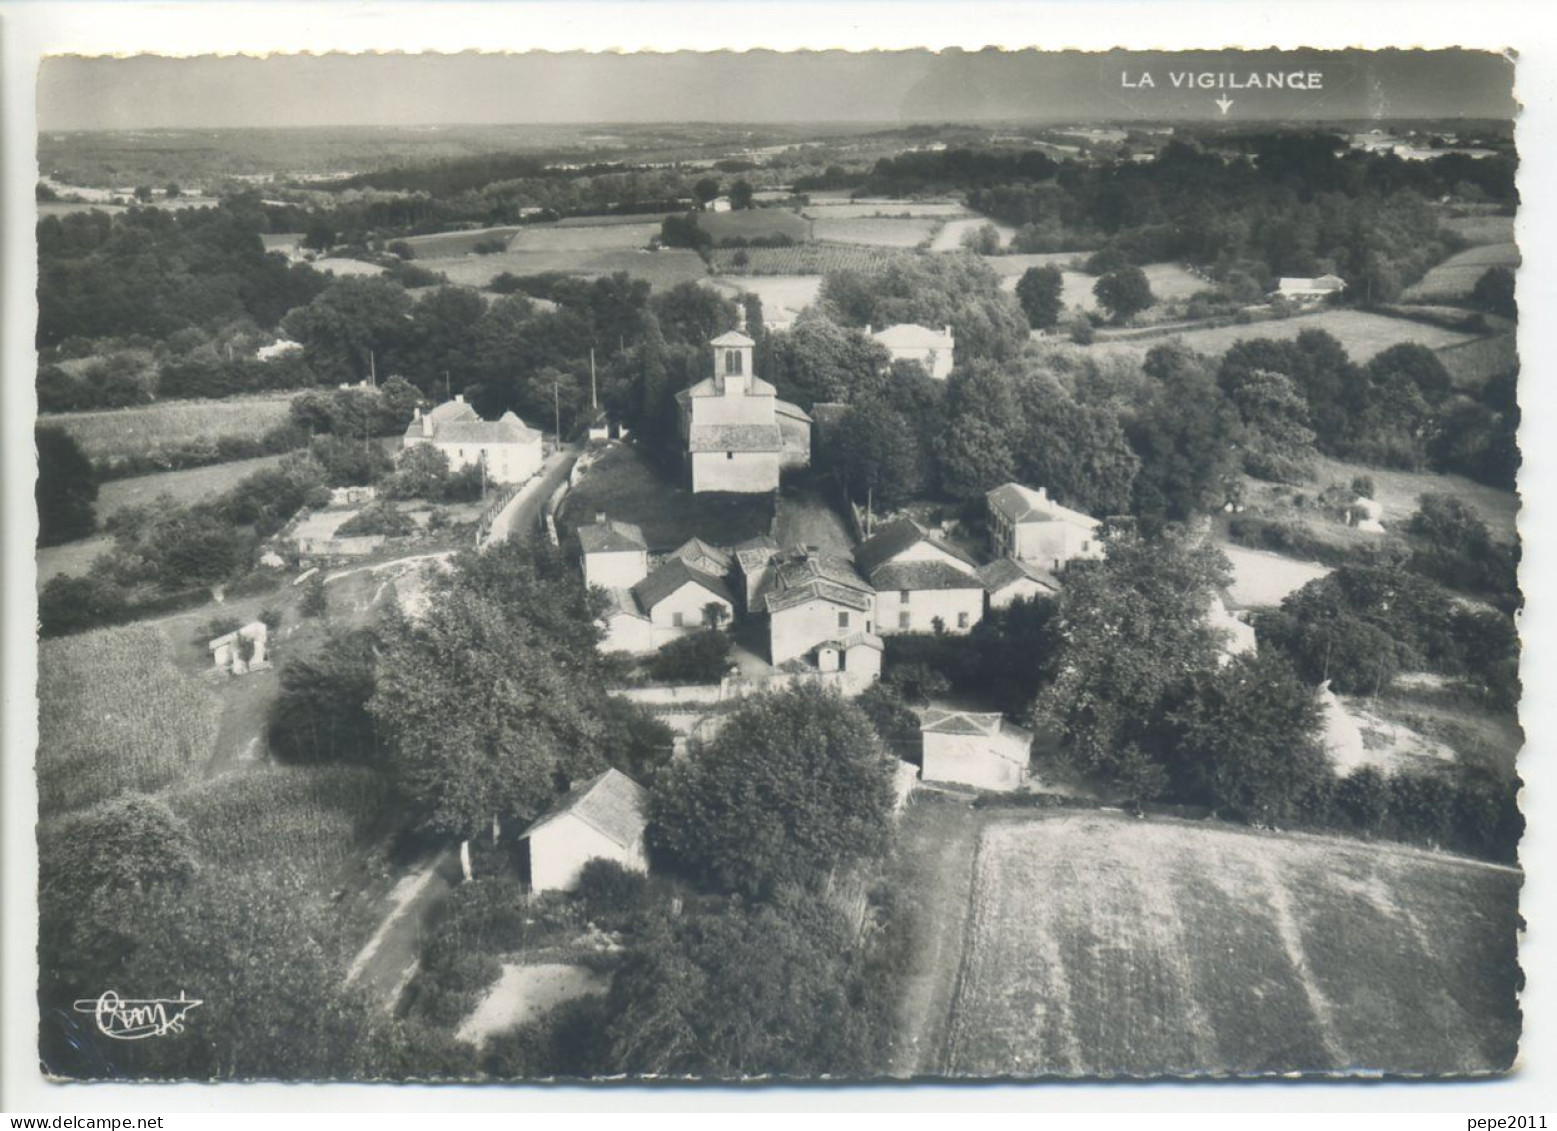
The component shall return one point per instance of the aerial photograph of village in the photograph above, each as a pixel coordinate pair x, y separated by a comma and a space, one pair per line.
714, 580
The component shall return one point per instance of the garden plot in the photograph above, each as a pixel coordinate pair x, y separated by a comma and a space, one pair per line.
1455, 278
875, 232
783, 296
526, 993
1262, 579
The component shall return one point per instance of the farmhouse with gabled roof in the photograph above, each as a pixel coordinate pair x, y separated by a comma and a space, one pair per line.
1031, 527
920, 580
507, 448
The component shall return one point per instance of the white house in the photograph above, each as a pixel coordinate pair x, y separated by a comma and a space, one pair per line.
601, 819
700, 555
614, 553
974, 748
735, 438
676, 599
908, 341
1309, 290
812, 598
508, 449
1006, 580
921, 581
1031, 527
241, 651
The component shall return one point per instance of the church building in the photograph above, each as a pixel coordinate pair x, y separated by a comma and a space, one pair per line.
735, 428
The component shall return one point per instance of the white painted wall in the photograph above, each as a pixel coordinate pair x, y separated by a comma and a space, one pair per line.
795, 631
1050, 545
750, 473
1021, 587
924, 605
559, 851
626, 633
506, 463
616, 569
970, 760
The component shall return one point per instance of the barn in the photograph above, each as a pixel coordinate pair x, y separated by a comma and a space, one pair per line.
974, 748
602, 819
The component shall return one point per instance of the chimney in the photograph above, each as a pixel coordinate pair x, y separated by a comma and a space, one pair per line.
600, 518
459, 398
948, 331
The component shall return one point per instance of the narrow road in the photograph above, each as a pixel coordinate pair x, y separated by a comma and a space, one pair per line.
523, 512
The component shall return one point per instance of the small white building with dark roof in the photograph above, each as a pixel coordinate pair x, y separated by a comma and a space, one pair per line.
677, 598
1006, 580
974, 748
812, 597
603, 818
509, 450
614, 553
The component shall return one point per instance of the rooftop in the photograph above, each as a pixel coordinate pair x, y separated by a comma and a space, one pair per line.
611, 536
671, 576
1023, 504
1004, 571
802, 574
911, 335
611, 803
894, 538
920, 576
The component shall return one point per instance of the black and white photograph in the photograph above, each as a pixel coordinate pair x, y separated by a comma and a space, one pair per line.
770, 567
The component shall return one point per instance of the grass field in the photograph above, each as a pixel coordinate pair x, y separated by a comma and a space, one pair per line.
585, 237
1455, 278
1399, 491
115, 714
267, 816
949, 238
1474, 362
624, 485
146, 428
1262, 579
807, 259
1362, 335
443, 244
1153, 948
662, 269
874, 232
783, 296
881, 208
755, 223
1481, 229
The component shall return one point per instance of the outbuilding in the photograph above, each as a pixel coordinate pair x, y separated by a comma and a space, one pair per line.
603, 818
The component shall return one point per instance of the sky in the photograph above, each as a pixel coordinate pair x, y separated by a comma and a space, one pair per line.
154, 92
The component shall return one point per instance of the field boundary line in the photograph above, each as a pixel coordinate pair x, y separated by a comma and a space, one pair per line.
950, 1036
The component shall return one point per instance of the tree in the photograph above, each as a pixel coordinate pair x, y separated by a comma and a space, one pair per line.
818, 360
1277, 442
143, 193
75, 604
1130, 628
421, 473
1184, 436
875, 450
66, 488
352, 322
1244, 738
704, 190
693, 315
703, 657
1124, 293
741, 195
1039, 291
794, 785
322, 713
982, 240
976, 450
316, 601
1494, 292
1077, 451
128, 843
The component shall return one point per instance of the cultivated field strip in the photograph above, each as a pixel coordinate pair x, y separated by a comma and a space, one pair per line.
1098, 945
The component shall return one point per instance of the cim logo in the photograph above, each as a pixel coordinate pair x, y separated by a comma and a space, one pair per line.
135, 1020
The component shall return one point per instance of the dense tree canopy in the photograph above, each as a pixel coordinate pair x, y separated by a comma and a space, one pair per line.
66, 488
794, 786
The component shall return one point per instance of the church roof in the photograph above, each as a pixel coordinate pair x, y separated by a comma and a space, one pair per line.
793, 411
708, 387
732, 338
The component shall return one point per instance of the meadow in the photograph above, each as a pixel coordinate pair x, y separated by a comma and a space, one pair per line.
875, 232
783, 296
1455, 278
444, 244
117, 714
266, 817
115, 433
662, 269
1481, 229
805, 259
1362, 335
1165, 948
755, 223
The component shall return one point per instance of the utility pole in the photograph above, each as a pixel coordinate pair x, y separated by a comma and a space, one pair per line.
594, 400
556, 408
372, 370
448, 391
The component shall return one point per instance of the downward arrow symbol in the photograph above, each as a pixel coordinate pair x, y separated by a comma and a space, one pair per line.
1225, 103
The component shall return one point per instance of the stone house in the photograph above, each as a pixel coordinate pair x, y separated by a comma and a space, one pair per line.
614, 553
920, 581
812, 598
509, 450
